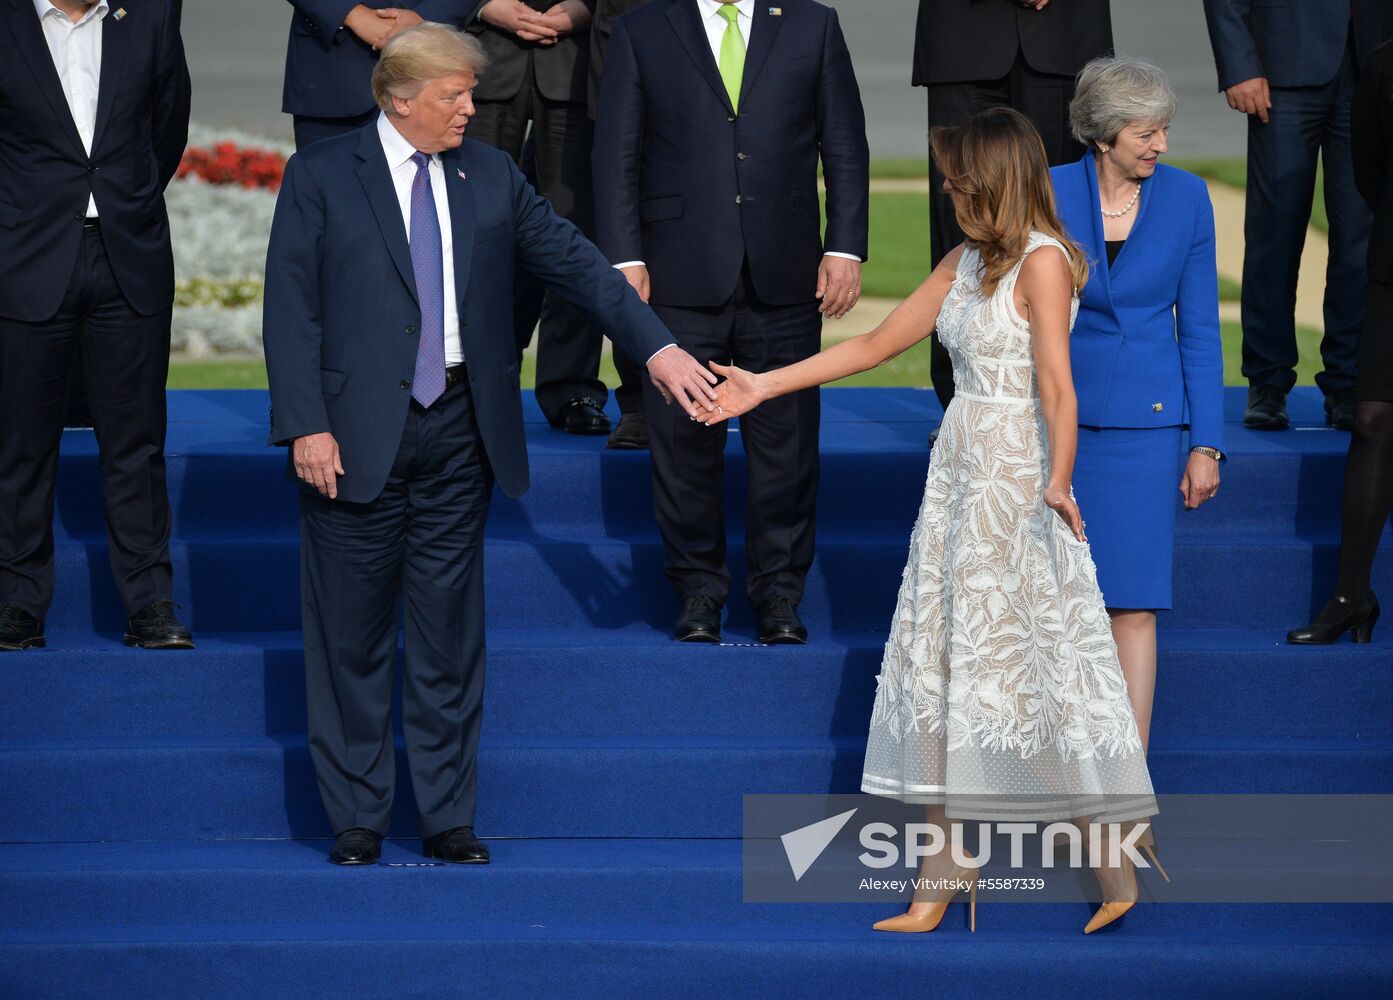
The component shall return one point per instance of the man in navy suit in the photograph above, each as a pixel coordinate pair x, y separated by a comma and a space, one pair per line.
712, 118
333, 48
1292, 69
94, 112
394, 380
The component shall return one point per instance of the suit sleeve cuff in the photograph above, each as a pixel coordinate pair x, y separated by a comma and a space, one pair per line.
630, 263
657, 352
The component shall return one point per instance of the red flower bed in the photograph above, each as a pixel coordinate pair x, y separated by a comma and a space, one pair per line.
227, 163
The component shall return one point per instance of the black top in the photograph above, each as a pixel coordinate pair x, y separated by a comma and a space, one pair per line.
958, 41
1113, 247
1371, 136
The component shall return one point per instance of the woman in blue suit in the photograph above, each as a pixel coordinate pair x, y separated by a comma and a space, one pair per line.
1146, 352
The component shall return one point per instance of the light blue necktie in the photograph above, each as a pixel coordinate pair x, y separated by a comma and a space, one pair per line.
428, 264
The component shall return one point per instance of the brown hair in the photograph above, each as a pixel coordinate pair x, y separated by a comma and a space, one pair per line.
1000, 179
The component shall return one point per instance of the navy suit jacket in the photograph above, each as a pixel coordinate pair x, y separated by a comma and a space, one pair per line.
693, 189
1294, 43
46, 176
1145, 349
328, 68
341, 316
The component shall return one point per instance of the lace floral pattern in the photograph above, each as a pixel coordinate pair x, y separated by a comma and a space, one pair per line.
1000, 677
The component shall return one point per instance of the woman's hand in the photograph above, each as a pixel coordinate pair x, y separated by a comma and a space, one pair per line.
1201, 480
740, 393
1057, 499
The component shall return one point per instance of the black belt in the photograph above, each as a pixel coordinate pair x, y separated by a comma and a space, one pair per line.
454, 375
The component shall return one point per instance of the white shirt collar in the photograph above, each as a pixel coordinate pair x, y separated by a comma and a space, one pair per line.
44, 7
709, 8
394, 144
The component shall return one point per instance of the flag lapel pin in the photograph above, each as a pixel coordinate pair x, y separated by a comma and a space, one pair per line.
120, 13
776, 12
461, 175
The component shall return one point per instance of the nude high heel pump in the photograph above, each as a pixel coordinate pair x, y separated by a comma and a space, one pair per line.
1112, 910
922, 923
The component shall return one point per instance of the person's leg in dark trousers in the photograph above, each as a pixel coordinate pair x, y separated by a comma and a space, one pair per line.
689, 463
1346, 274
568, 345
1281, 181
127, 357
781, 447
1044, 98
308, 130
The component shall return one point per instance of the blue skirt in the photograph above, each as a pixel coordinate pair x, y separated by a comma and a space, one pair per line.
1127, 483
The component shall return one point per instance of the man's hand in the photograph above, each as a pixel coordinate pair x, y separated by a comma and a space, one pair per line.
678, 376
1200, 481
565, 18
1035, 4
1252, 97
403, 19
316, 458
637, 277
516, 17
838, 286
372, 26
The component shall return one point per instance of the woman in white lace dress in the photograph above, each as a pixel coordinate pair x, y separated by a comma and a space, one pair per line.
1000, 695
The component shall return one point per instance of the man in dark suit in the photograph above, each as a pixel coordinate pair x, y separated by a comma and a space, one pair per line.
1292, 69
394, 381
333, 48
713, 116
538, 53
971, 55
94, 111
631, 433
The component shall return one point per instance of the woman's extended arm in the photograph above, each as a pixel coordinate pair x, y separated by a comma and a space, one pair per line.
912, 321
1046, 286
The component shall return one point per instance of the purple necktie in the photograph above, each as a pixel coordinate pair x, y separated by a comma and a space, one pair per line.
428, 264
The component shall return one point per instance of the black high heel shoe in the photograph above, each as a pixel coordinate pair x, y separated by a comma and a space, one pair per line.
1340, 615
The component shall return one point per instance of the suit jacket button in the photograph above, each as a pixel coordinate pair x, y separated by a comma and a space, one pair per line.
411, 328
737, 199
406, 383
730, 118
740, 156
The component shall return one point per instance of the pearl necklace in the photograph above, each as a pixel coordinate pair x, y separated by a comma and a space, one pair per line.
1117, 215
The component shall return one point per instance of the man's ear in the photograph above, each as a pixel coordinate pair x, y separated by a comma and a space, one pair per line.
401, 106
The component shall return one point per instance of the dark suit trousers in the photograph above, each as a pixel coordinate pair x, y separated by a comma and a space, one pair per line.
1305, 123
126, 361
568, 344
1041, 97
419, 545
781, 442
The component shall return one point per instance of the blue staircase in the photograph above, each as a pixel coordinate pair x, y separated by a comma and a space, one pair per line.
161, 834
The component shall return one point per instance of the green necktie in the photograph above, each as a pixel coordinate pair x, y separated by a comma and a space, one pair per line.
732, 54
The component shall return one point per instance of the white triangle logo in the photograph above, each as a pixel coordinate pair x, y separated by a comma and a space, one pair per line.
806, 844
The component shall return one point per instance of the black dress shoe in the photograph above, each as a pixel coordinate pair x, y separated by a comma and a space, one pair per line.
1340, 615
155, 626
1339, 409
583, 416
358, 846
458, 846
779, 624
1267, 408
19, 629
700, 620
630, 434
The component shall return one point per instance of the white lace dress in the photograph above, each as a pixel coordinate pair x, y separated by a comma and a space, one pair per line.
1000, 693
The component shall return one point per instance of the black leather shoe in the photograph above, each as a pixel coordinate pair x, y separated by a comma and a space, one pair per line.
155, 626
19, 629
1267, 408
458, 846
583, 416
700, 620
630, 434
779, 624
1339, 409
358, 846
1340, 615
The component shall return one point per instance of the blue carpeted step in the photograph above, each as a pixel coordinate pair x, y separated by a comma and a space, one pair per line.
138, 789
637, 682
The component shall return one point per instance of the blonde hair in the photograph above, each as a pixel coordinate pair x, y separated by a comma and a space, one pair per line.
423, 53
995, 163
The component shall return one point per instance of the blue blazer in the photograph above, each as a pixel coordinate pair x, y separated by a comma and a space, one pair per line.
1294, 43
327, 67
1146, 350
693, 189
341, 316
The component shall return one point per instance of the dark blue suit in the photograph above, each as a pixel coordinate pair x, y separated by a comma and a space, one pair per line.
723, 209
328, 68
1310, 52
341, 333
70, 289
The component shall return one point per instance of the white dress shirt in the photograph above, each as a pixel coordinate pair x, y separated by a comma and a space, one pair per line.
715, 26
403, 168
77, 56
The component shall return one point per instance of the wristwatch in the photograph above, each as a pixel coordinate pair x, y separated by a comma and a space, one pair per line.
1213, 453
